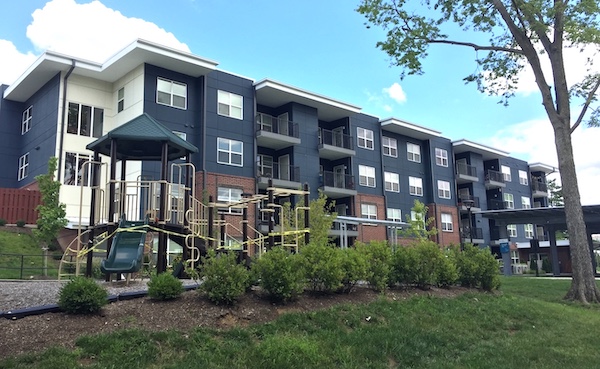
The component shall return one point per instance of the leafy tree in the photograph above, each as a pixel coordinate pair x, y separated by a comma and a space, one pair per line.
52, 213
321, 217
520, 33
420, 226
556, 196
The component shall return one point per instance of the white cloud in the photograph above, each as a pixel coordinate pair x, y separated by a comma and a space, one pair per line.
396, 93
533, 141
89, 31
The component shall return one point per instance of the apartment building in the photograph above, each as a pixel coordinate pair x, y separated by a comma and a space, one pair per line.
249, 132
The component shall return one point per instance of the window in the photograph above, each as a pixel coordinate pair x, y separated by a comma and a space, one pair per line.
23, 166
528, 230
368, 211
171, 93
514, 257
230, 105
506, 173
265, 166
230, 152
390, 146
509, 201
85, 120
444, 189
415, 186
525, 202
121, 99
523, 178
366, 176
229, 195
441, 157
365, 138
26, 122
392, 182
447, 222
413, 152
75, 173
395, 215
511, 229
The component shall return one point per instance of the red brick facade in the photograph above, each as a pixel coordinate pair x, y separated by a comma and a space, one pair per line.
445, 238
367, 232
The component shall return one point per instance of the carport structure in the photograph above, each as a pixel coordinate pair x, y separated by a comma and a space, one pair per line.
552, 219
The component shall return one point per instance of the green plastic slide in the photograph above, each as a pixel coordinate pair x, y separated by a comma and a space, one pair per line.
127, 250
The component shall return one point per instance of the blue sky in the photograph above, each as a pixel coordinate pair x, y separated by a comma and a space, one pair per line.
320, 46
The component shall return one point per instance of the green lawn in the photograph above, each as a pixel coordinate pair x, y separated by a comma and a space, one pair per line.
20, 250
527, 325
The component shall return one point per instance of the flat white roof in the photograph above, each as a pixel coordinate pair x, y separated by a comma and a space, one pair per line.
408, 129
487, 152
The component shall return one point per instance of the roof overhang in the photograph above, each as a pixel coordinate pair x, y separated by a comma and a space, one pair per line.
50, 63
408, 129
552, 216
487, 152
540, 167
274, 94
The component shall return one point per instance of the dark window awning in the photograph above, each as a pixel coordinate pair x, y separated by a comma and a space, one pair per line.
142, 138
554, 216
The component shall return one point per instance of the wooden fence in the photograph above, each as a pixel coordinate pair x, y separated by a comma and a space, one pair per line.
19, 204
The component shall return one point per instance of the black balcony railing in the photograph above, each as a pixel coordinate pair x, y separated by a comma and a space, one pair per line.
268, 123
288, 172
466, 169
539, 186
493, 175
468, 233
337, 139
338, 180
349, 227
468, 199
499, 205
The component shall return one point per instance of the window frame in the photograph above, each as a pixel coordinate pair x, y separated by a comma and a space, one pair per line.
506, 173
79, 162
390, 145
394, 214
447, 223
364, 171
525, 204
229, 199
369, 214
511, 230
26, 120
413, 152
121, 99
23, 170
523, 178
94, 112
441, 157
443, 192
413, 189
509, 200
365, 137
230, 152
529, 232
392, 179
171, 93
225, 98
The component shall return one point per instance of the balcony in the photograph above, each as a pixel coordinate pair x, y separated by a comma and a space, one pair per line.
276, 133
466, 173
539, 189
499, 205
285, 176
337, 231
494, 179
472, 200
335, 145
336, 185
472, 235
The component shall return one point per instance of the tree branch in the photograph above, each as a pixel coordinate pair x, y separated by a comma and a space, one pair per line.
586, 105
477, 47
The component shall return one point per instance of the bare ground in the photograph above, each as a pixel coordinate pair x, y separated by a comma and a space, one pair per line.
191, 310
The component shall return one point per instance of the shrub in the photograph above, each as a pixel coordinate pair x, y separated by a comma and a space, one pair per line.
280, 274
21, 223
447, 273
404, 266
477, 268
322, 265
2, 222
224, 279
379, 260
466, 265
354, 267
82, 296
546, 266
429, 260
488, 270
164, 286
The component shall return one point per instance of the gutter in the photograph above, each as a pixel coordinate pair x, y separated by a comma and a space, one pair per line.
63, 120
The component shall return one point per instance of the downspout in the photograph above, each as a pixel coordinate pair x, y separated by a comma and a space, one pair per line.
385, 198
63, 120
433, 183
204, 123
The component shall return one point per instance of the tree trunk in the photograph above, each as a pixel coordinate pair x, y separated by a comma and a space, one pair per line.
583, 286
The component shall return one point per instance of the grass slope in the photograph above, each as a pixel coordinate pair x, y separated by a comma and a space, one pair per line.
526, 326
12, 246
